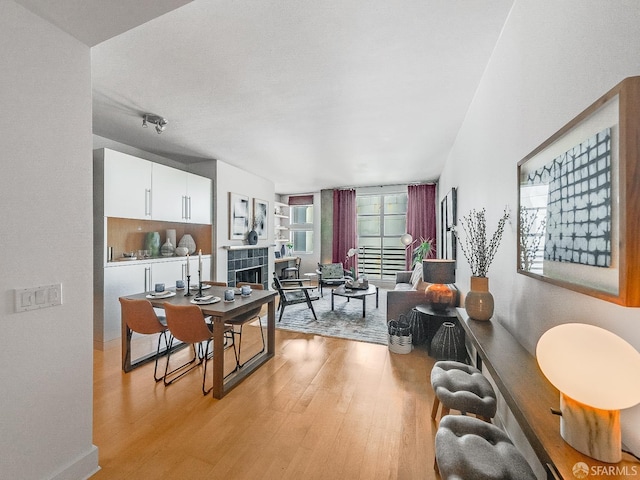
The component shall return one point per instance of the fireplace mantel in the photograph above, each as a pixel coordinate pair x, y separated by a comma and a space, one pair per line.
246, 247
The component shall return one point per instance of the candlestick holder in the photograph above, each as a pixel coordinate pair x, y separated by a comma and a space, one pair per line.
199, 284
188, 294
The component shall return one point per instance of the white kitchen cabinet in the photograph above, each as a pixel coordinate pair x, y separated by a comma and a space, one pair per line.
137, 188
199, 198
180, 196
120, 280
169, 187
127, 185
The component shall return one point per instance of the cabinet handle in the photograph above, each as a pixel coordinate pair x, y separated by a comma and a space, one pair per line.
147, 278
147, 201
189, 209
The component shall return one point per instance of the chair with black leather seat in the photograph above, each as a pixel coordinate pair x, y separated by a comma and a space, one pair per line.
187, 324
293, 292
140, 317
238, 322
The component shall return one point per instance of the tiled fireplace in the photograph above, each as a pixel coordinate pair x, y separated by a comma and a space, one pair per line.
248, 265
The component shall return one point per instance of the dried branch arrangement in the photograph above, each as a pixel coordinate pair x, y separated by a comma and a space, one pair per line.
476, 248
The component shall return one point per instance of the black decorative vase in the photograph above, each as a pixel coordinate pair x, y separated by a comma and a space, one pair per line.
418, 327
448, 343
252, 237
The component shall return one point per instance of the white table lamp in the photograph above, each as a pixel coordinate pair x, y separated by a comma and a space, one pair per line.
596, 372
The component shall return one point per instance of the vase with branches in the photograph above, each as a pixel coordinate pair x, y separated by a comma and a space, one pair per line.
479, 251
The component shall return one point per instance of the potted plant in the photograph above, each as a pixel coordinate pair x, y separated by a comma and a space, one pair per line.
479, 252
422, 251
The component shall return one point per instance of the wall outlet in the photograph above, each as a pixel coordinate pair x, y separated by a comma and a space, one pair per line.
38, 297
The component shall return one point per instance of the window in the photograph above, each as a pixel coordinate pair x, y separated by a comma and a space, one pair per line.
301, 227
382, 219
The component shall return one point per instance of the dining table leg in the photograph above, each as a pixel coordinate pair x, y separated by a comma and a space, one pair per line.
218, 358
271, 327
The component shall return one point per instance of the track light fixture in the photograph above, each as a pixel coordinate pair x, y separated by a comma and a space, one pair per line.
159, 122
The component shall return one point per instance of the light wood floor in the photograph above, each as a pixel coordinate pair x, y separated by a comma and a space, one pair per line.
323, 408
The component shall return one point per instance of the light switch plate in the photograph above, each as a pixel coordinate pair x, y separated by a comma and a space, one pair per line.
37, 297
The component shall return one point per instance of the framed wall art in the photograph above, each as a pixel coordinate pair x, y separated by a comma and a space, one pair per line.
238, 216
261, 218
578, 201
448, 219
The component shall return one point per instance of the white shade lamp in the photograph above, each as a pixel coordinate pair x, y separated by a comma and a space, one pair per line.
597, 375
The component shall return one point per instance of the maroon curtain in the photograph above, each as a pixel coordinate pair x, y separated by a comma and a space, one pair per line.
421, 216
345, 229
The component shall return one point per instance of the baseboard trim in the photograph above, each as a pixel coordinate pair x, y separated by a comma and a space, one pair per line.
83, 468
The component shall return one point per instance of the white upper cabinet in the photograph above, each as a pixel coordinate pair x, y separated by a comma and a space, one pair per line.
127, 186
198, 199
169, 187
137, 188
180, 196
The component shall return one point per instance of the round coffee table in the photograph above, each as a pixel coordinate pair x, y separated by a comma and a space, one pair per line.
360, 294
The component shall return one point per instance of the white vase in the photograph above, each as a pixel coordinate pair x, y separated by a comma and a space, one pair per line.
167, 249
171, 236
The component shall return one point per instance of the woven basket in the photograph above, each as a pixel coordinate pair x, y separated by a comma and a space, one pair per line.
400, 343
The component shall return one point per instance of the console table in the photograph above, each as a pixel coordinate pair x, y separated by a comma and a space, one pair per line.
530, 396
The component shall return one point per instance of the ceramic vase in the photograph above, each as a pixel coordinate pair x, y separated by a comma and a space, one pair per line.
479, 301
167, 250
152, 243
188, 242
171, 236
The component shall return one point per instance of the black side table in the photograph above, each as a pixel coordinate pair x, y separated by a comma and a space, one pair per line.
433, 319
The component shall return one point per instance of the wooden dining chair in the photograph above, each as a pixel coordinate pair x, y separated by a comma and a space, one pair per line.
140, 317
238, 322
187, 324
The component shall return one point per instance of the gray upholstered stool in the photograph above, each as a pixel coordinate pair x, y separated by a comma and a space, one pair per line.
459, 386
467, 447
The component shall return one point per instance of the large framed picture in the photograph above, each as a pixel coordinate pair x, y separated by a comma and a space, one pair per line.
578, 201
238, 216
261, 218
447, 224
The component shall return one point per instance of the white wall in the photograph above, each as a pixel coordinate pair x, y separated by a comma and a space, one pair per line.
552, 61
45, 234
233, 179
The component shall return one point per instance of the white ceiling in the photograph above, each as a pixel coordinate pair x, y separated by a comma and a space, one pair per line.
309, 93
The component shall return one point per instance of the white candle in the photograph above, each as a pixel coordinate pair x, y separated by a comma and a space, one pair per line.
187, 264
200, 261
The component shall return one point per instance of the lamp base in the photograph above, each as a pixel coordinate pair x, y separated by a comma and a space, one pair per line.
440, 296
591, 431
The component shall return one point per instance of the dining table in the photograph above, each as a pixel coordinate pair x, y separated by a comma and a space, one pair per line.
220, 312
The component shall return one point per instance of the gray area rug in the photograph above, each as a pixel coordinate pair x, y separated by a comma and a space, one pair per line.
345, 321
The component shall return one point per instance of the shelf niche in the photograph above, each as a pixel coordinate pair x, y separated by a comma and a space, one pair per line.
127, 235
